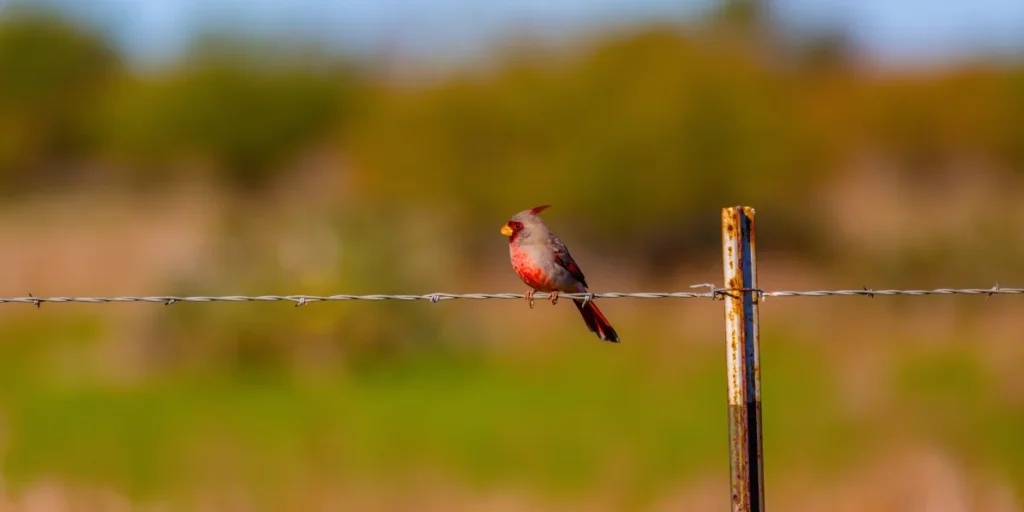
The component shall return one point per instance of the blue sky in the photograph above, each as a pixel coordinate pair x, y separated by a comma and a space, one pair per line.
887, 30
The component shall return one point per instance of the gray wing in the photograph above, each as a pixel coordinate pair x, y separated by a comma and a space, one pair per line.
564, 259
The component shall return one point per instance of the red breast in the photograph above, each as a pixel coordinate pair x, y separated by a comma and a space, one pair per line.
529, 271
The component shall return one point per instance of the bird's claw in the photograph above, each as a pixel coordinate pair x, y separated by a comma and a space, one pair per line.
529, 298
554, 297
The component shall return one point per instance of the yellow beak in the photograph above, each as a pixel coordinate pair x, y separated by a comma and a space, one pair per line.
505, 230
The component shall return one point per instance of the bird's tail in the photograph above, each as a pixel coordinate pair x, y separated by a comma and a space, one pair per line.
596, 321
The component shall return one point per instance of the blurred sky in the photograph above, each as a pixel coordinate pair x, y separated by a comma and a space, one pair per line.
891, 31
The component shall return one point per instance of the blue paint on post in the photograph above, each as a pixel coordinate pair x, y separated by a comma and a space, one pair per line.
752, 361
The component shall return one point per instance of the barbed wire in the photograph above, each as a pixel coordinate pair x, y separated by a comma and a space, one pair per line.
712, 293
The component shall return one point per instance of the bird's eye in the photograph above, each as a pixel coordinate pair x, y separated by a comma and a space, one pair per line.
519, 225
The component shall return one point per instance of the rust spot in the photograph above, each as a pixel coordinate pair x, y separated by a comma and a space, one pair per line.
736, 281
739, 461
730, 220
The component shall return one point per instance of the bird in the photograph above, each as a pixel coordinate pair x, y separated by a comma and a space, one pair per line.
543, 262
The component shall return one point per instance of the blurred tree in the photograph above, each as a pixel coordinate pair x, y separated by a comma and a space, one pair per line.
743, 16
51, 74
747, 24
828, 51
246, 113
1010, 124
633, 138
637, 136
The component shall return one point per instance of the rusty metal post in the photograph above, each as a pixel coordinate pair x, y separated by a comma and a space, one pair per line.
743, 359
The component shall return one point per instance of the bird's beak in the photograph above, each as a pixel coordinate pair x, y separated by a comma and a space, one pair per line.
505, 230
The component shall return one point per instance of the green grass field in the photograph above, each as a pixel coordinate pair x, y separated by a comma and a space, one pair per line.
582, 420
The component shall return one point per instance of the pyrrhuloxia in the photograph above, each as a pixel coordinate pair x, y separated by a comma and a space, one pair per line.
543, 262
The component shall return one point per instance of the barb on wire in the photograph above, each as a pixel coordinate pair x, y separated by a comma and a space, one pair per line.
301, 300
712, 293
995, 290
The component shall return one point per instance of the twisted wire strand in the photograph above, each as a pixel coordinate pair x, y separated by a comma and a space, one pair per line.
712, 293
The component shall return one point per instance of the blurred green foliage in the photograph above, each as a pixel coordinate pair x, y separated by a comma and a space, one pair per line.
51, 75
645, 128
569, 423
561, 424
246, 117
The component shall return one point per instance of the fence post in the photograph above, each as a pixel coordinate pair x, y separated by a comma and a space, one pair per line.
743, 359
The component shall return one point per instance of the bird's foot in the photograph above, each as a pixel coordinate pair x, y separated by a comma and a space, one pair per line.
554, 297
529, 298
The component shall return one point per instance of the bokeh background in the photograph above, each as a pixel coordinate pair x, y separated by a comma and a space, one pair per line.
216, 147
